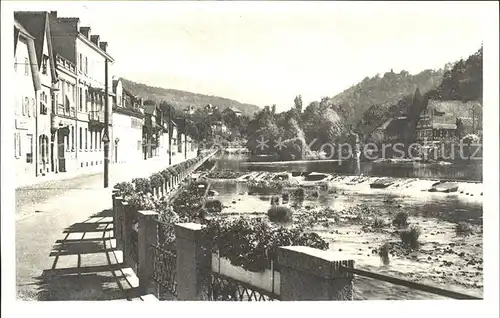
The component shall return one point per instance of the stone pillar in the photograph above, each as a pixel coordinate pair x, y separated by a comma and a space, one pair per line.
311, 274
117, 218
193, 262
148, 235
126, 231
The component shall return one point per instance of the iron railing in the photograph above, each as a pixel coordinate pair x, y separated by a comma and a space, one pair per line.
96, 116
409, 284
165, 269
223, 288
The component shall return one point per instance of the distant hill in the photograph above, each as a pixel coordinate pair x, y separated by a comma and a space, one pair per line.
381, 92
462, 80
181, 99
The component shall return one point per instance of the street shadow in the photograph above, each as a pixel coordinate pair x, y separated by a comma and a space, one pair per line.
84, 267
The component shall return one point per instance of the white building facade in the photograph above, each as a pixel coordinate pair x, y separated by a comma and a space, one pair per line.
128, 122
27, 84
83, 143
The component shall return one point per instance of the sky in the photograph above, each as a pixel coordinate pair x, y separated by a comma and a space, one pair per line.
266, 53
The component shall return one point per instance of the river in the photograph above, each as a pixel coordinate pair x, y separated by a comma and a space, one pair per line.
445, 259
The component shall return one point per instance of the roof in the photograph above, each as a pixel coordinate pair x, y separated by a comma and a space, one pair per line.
384, 125
149, 109
31, 52
446, 113
128, 111
37, 23
466, 121
396, 125
236, 110
21, 28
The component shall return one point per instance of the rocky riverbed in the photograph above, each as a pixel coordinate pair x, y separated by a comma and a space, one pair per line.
345, 214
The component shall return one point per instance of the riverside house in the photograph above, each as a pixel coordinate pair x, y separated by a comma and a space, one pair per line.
27, 85
446, 121
128, 121
76, 45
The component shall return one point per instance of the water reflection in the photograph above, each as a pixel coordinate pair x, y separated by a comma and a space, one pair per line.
473, 172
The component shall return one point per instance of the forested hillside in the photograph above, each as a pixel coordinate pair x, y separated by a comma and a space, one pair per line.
182, 99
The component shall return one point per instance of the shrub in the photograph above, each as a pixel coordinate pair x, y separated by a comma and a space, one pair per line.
299, 194
279, 213
383, 252
166, 229
166, 174
409, 237
142, 185
285, 196
213, 206
252, 244
125, 188
141, 201
156, 180
224, 174
463, 228
324, 187
378, 223
401, 219
275, 200
173, 171
314, 194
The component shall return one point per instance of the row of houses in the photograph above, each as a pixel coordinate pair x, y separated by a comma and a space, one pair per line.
439, 122
62, 78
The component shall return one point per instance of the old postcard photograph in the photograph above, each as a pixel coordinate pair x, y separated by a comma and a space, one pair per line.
158, 151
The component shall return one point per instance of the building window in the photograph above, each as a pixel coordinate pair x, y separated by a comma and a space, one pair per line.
17, 144
44, 64
91, 139
43, 143
86, 138
43, 104
29, 149
72, 138
85, 101
80, 100
81, 136
26, 66
80, 62
26, 105
86, 65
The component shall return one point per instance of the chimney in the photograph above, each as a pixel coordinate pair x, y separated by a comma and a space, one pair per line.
95, 39
53, 14
70, 22
85, 31
103, 45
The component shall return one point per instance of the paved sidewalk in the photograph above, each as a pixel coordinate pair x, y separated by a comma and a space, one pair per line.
66, 250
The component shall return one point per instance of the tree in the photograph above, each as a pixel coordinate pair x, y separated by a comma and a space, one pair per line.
321, 122
298, 103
